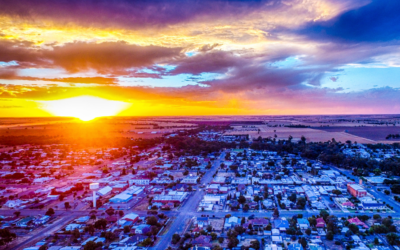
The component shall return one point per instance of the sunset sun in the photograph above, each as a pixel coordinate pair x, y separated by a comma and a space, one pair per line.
85, 108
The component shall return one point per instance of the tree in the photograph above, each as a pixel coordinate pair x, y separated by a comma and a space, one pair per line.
110, 211
292, 197
233, 242
242, 199
392, 238
91, 245
6, 236
152, 221
246, 207
276, 213
213, 236
337, 192
17, 213
90, 229
110, 236
387, 192
308, 231
121, 213
324, 214
354, 228
50, 212
329, 235
43, 247
66, 205
376, 241
303, 242
147, 242
255, 244
377, 217
101, 224
175, 238
312, 221
301, 202
127, 229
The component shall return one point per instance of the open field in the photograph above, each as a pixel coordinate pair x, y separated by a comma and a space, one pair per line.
373, 133
312, 135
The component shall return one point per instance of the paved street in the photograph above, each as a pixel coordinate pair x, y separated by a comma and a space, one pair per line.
189, 209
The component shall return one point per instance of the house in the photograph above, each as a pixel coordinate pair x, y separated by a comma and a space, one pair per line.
257, 223
83, 219
358, 222
373, 205
295, 246
276, 239
72, 227
203, 241
281, 223
130, 217
348, 204
202, 221
231, 222
320, 222
303, 223
42, 220
142, 229
25, 221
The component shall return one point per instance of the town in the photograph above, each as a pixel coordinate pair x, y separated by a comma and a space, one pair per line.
204, 188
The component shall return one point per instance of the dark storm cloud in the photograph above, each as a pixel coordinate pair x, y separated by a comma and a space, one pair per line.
377, 21
128, 13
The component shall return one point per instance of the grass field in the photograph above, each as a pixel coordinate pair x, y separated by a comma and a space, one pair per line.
373, 133
312, 135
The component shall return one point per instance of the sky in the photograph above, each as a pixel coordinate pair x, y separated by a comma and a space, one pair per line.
208, 57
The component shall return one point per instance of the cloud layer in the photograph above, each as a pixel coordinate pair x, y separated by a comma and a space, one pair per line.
242, 57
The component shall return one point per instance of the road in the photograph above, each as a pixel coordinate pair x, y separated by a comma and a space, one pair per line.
373, 190
42, 232
189, 209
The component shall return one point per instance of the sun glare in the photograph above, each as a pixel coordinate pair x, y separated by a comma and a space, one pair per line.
85, 108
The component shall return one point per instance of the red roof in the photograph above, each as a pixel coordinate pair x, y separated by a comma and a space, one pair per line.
320, 222
357, 221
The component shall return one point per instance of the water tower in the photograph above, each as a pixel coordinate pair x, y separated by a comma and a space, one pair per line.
94, 187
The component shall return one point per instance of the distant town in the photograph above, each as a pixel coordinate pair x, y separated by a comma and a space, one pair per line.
207, 187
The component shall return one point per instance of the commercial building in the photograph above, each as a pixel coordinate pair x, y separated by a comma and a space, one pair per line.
356, 190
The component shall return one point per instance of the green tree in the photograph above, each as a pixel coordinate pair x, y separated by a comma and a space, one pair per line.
91, 245
147, 242
324, 214
276, 213
392, 238
50, 212
242, 199
127, 229
152, 221
354, 228
175, 238
301, 202
329, 235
